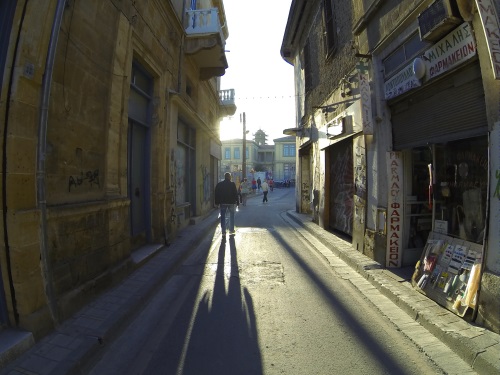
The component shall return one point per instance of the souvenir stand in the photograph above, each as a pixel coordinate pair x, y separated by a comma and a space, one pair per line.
449, 272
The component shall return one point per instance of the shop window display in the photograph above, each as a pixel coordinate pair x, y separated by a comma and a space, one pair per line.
450, 265
418, 205
461, 187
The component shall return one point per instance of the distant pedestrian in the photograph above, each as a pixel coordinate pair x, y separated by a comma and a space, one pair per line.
245, 189
259, 184
271, 184
254, 185
265, 190
226, 197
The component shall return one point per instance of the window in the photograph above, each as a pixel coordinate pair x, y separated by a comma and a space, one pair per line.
186, 161
289, 171
308, 82
227, 153
330, 27
408, 50
289, 150
237, 153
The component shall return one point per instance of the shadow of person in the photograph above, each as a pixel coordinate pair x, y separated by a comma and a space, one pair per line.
224, 338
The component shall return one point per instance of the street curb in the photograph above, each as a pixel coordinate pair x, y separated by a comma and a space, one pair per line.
78, 341
477, 346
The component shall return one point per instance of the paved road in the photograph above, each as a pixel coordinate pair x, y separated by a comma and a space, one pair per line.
271, 300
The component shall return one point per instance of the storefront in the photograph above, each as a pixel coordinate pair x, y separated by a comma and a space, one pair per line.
440, 139
341, 171
343, 150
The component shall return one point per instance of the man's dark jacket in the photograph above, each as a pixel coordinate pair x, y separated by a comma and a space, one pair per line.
226, 193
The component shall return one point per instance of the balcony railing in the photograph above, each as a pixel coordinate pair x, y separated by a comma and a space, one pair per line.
204, 21
227, 102
226, 97
205, 42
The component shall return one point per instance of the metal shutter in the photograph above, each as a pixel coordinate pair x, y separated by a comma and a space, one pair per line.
450, 109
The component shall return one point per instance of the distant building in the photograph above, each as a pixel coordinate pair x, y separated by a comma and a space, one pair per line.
284, 158
232, 158
275, 161
260, 137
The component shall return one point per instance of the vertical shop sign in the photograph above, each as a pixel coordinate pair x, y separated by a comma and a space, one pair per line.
491, 26
365, 98
493, 256
394, 251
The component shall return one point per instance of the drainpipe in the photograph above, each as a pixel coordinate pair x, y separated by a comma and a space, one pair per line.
4, 319
181, 49
41, 153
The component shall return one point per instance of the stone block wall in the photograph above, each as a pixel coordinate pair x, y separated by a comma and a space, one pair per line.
88, 220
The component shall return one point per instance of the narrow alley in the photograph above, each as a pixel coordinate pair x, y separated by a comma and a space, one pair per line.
266, 301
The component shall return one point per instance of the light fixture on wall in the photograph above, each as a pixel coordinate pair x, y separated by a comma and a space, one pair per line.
335, 127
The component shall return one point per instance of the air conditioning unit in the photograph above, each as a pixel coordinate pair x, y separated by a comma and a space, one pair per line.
438, 19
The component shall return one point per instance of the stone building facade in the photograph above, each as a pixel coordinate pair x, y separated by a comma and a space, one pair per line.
110, 117
275, 161
284, 158
397, 137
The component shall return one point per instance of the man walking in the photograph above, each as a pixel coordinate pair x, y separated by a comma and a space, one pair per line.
226, 196
265, 190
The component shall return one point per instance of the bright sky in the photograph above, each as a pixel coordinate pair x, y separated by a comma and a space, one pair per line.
263, 81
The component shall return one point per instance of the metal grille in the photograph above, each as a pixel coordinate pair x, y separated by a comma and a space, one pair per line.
451, 109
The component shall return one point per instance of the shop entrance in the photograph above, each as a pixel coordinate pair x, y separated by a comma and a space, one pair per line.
418, 203
341, 187
446, 191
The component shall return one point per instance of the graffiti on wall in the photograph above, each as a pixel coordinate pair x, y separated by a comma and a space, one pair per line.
305, 192
90, 177
205, 172
360, 169
342, 188
180, 175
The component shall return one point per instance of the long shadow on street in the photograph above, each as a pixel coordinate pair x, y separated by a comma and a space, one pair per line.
221, 337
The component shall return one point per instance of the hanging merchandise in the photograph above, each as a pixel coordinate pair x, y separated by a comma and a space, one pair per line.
449, 272
474, 217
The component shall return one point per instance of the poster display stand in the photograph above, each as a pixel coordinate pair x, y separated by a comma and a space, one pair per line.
449, 272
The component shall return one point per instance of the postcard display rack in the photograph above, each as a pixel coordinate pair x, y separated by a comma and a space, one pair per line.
449, 272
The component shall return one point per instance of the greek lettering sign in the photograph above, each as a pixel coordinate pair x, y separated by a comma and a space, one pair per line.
404, 80
451, 51
394, 251
491, 26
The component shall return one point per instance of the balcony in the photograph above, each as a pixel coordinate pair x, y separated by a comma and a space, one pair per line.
205, 42
227, 103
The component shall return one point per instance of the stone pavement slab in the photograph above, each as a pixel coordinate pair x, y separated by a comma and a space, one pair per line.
479, 347
69, 349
